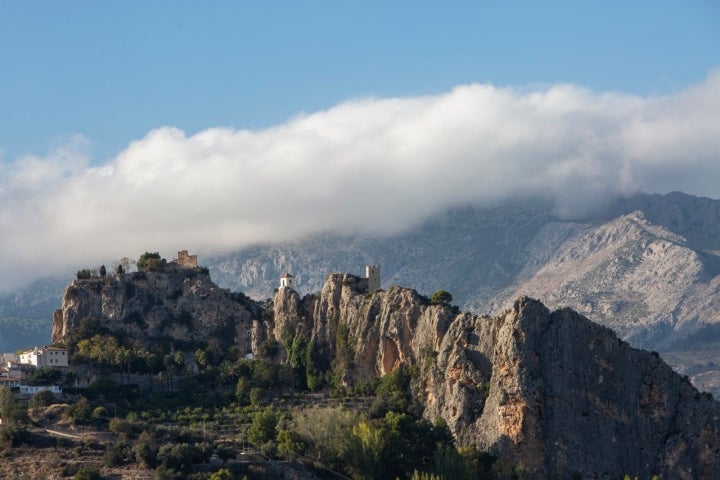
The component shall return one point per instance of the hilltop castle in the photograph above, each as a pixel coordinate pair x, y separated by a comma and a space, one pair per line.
186, 260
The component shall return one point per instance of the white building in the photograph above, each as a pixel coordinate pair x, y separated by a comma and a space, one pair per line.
372, 272
287, 280
45, 357
33, 389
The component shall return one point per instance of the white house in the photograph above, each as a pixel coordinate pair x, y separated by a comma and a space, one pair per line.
46, 357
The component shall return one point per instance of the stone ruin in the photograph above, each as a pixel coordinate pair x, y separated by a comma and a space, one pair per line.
186, 260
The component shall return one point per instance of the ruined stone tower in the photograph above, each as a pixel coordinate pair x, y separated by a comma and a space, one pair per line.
186, 260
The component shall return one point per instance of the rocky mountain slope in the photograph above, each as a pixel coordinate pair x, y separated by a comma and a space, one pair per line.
550, 391
637, 278
24, 314
646, 266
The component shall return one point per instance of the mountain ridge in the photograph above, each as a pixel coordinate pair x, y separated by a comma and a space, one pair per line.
550, 391
487, 257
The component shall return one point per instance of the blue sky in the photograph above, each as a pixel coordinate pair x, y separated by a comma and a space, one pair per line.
112, 71
159, 126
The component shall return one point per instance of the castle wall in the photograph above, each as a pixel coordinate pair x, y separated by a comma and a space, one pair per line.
186, 260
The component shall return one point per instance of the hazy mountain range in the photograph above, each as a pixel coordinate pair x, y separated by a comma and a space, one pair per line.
646, 266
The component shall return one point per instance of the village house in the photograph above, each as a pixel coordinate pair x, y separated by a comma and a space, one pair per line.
42, 357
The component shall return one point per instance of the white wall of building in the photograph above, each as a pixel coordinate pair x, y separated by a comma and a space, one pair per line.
46, 357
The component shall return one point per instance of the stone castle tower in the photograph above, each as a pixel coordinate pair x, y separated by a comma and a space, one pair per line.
186, 260
372, 272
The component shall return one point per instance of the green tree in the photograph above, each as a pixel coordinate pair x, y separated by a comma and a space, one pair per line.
289, 444
448, 463
222, 474
369, 443
11, 411
442, 297
256, 396
176, 457
327, 432
241, 389
392, 393
148, 261
262, 429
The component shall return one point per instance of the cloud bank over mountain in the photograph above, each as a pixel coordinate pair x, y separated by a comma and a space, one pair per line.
376, 165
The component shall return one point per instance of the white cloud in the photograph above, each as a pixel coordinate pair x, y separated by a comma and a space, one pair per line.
367, 164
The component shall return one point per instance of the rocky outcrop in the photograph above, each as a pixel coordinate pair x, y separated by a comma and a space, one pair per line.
646, 266
635, 277
369, 334
552, 392
566, 395
549, 392
170, 304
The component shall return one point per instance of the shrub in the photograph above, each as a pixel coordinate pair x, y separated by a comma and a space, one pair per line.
84, 274
441, 297
87, 472
11, 436
41, 399
116, 454
99, 412
222, 474
176, 457
78, 412
120, 426
145, 450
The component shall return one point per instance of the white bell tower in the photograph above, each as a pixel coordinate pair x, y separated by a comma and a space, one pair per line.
287, 280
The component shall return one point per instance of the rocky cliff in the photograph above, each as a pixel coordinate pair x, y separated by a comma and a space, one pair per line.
646, 266
172, 305
550, 391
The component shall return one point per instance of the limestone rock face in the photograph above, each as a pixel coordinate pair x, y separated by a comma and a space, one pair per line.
647, 266
566, 395
175, 304
374, 333
550, 391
